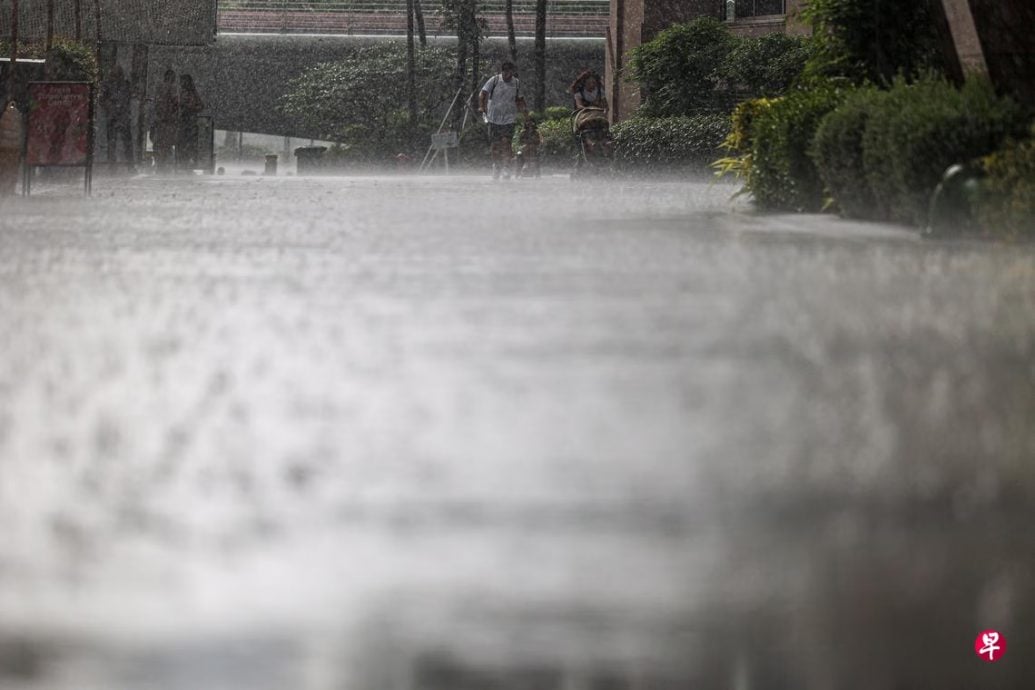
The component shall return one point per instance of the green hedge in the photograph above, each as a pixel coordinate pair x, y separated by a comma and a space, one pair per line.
783, 175
669, 143
837, 151
916, 131
1008, 204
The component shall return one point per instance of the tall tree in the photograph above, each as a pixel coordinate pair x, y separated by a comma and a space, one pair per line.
411, 66
539, 55
418, 13
50, 24
508, 11
14, 49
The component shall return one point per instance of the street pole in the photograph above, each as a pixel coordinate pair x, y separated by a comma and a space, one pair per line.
14, 49
411, 68
50, 24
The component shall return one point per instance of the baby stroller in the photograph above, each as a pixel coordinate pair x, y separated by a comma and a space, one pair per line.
592, 141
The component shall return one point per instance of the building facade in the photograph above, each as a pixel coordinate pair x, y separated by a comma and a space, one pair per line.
633, 22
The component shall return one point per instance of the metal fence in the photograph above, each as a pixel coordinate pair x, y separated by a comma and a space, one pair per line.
564, 17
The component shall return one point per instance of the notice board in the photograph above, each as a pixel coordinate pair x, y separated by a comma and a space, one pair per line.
60, 128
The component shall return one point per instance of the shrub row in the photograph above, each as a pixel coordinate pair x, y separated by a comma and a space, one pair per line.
876, 154
662, 144
782, 174
882, 153
669, 143
1008, 203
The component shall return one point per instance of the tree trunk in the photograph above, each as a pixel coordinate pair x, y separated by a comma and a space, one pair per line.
411, 68
97, 19
419, 14
50, 24
508, 9
475, 64
461, 70
539, 55
14, 52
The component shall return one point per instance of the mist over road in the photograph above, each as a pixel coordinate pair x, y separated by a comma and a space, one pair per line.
437, 433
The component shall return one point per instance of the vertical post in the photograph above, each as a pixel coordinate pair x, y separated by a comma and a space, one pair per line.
78, 19
411, 68
97, 19
14, 47
50, 24
539, 55
965, 36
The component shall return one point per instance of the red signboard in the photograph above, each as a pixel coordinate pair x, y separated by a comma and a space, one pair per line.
59, 124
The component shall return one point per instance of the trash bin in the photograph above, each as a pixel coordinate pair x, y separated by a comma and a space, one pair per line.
271, 164
309, 159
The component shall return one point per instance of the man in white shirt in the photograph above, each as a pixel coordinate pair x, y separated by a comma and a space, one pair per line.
500, 101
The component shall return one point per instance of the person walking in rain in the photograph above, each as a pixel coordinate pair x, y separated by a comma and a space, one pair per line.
500, 101
166, 121
115, 97
187, 138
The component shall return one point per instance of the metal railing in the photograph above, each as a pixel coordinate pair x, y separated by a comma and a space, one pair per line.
599, 7
564, 17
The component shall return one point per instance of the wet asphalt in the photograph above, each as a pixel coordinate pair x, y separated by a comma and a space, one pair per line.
440, 433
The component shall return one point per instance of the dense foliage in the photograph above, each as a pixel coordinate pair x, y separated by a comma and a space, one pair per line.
916, 131
679, 70
783, 175
837, 150
874, 40
1008, 204
67, 59
699, 67
361, 101
766, 66
671, 142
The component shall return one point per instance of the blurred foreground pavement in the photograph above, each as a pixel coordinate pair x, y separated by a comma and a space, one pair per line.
440, 434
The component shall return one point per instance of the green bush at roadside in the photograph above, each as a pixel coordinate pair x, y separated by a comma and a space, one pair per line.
1007, 206
670, 143
837, 150
916, 131
783, 176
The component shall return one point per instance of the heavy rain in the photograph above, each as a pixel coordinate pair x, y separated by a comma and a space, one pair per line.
517, 345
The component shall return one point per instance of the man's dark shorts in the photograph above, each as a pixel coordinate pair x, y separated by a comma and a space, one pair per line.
501, 132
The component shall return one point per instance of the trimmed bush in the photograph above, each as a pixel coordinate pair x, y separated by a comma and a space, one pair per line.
678, 70
1008, 204
917, 131
874, 40
783, 176
765, 66
556, 112
67, 59
738, 142
669, 143
837, 151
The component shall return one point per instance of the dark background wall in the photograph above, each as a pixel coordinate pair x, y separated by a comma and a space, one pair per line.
175, 22
1007, 32
241, 78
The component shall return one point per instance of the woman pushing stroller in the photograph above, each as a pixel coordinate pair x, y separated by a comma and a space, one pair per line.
589, 122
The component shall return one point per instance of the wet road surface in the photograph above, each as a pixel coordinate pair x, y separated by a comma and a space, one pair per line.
437, 434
